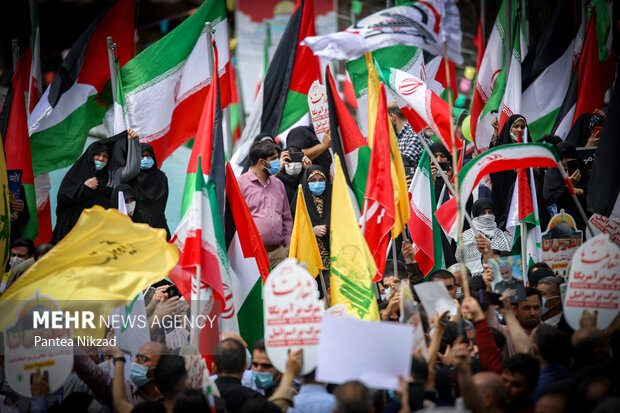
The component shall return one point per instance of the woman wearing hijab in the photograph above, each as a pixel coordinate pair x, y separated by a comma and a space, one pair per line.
292, 172
584, 132
92, 177
554, 187
151, 190
318, 196
129, 199
502, 181
483, 211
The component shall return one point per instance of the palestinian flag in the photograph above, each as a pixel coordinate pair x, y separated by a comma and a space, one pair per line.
14, 132
491, 80
282, 101
208, 146
423, 224
248, 260
166, 85
347, 142
590, 81
546, 72
203, 263
59, 124
500, 158
411, 60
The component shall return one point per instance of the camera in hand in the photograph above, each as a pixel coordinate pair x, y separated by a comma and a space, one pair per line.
296, 156
445, 166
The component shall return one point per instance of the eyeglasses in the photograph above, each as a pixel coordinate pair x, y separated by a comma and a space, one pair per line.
265, 366
141, 358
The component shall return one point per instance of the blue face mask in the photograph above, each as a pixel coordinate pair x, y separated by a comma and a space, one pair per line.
100, 165
138, 373
262, 379
146, 163
275, 166
317, 188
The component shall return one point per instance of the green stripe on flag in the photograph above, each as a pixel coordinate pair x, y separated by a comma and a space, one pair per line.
358, 183
163, 58
250, 315
31, 228
543, 125
296, 107
191, 185
47, 155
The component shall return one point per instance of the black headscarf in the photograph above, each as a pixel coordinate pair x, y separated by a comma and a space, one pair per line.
504, 137
151, 184
315, 217
480, 205
582, 129
438, 147
303, 137
566, 150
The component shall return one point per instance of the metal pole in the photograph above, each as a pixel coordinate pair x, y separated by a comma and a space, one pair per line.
483, 23
457, 197
210, 56
524, 259
507, 34
394, 259
112, 62
15, 49
571, 190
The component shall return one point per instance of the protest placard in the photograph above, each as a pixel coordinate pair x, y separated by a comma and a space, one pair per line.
509, 277
606, 225
352, 349
29, 347
560, 242
319, 110
435, 297
594, 282
410, 314
292, 315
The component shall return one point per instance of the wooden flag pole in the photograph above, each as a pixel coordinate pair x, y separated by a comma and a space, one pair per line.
457, 195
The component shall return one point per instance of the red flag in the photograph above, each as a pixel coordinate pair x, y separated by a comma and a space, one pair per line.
379, 196
479, 43
591, 93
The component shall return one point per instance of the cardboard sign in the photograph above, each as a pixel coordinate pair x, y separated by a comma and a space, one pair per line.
353, 349
435, 297
292, 313
319, 109
27, 349
594, 282
560, 242
14, 177
605, 225
131, 337
509, 277
410, 314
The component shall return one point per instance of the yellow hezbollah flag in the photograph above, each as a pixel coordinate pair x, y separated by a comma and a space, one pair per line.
351, 263
104, 262
303, 241
399, 178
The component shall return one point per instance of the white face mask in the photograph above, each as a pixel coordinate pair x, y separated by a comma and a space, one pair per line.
293, 169
15, 261
131, 206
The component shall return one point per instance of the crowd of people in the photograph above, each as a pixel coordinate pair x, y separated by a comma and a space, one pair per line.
490, 357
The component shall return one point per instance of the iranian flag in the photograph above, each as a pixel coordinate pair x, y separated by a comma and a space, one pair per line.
282, 101
348, 142
71, 105
14, 132
511, 102
248, 260
491, 81
379, 210
422, 223
427, 107
166, 85
35, 84
412, 60
524, 209
501, 158
203, 264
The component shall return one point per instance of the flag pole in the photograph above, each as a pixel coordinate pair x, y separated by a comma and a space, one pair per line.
210, 55
394, 259
457, 197
446, 181
523, 229
15, 49
324, 288
112, 62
